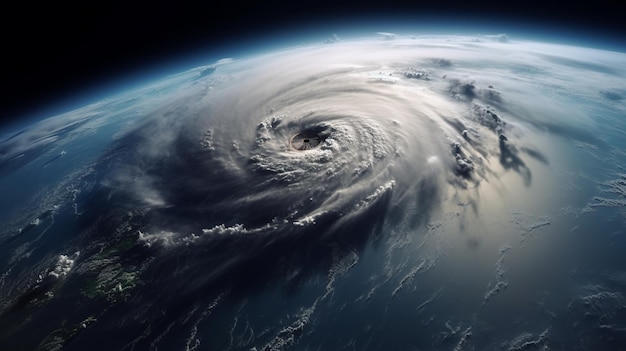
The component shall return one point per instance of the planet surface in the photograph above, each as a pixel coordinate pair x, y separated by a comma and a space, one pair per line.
378, 192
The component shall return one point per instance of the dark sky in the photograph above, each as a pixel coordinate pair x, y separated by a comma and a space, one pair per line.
57, 55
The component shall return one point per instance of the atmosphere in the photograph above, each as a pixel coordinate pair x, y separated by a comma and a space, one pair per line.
87, 53
334, 179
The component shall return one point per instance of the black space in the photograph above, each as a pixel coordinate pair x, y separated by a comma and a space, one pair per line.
57, 52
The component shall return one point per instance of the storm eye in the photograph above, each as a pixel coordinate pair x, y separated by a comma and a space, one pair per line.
305, 140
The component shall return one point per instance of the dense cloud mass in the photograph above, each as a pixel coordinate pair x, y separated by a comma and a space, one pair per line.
293, 171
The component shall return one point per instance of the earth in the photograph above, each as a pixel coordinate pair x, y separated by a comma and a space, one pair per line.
379, 192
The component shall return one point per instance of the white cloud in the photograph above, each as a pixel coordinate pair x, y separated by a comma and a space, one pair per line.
64, 265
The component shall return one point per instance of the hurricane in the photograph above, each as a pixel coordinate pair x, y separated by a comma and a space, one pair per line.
331, 182
237, 168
